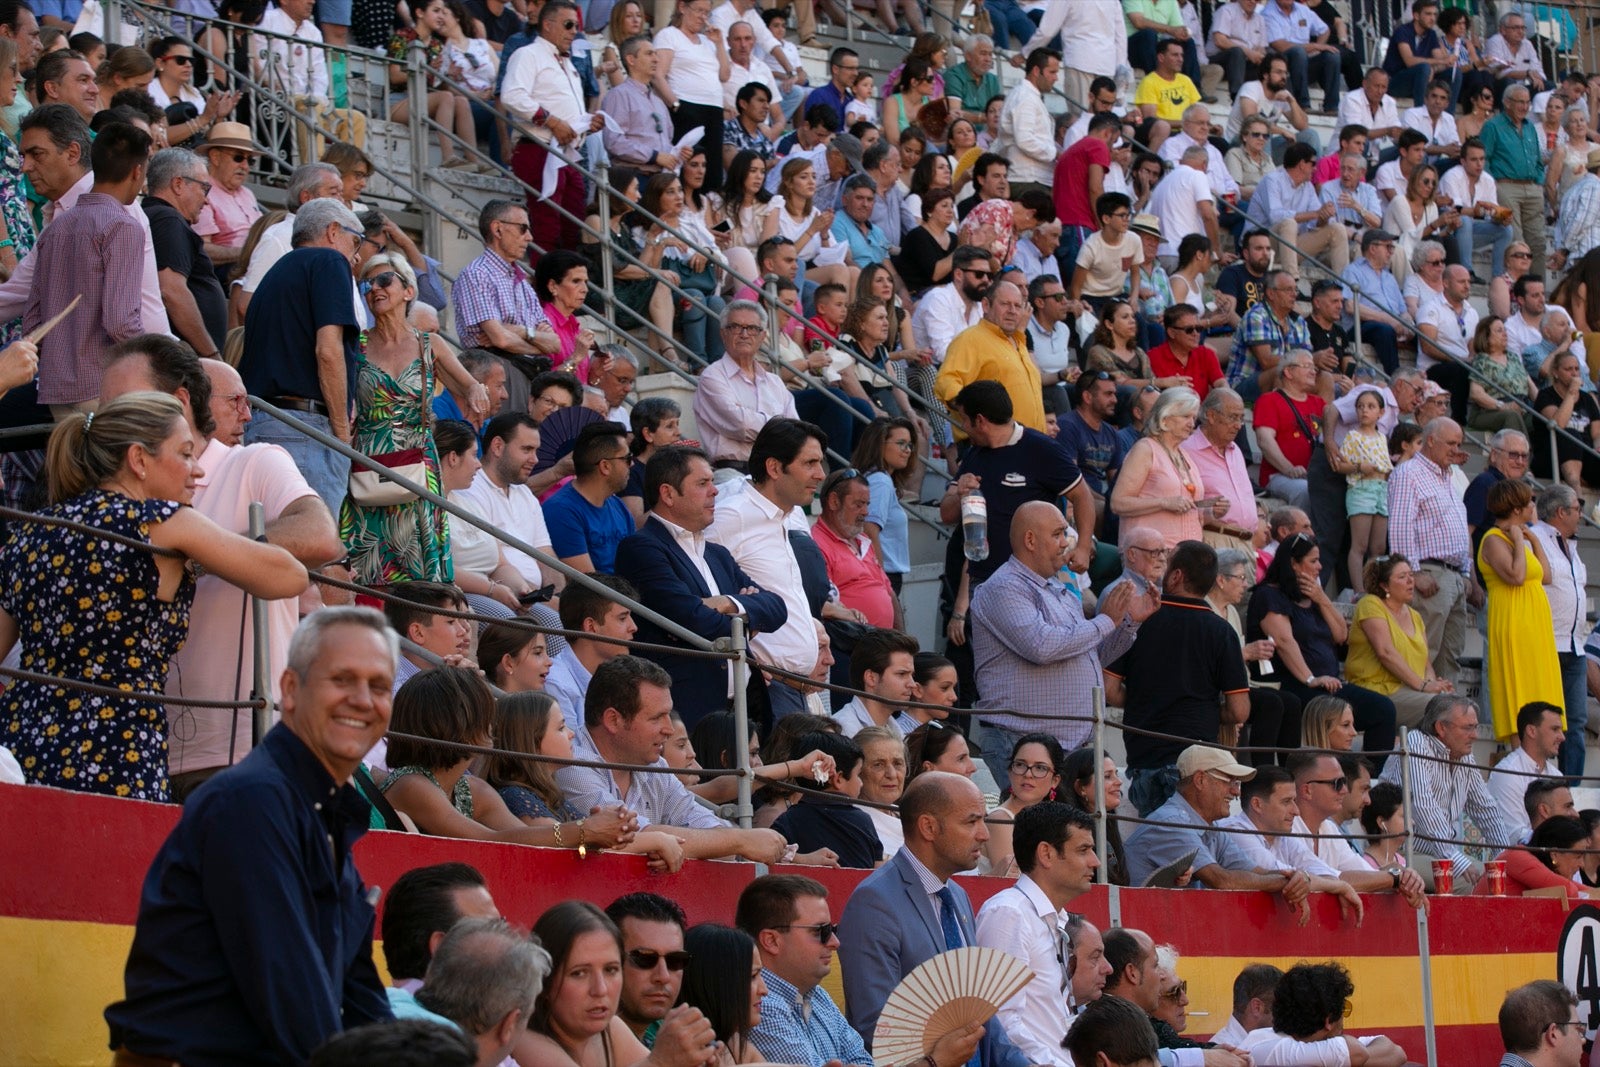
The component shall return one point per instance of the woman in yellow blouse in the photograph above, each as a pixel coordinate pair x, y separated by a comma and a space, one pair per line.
1389, 644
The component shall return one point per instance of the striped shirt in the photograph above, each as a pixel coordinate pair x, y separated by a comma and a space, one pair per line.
1426, 518
1442, 793
492, 289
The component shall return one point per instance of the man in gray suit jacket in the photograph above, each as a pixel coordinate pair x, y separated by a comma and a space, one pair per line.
908, 911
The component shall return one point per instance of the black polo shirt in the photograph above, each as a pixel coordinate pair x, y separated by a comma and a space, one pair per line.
307, 289
1333, 337
180, 249
1031, 467
1185, 659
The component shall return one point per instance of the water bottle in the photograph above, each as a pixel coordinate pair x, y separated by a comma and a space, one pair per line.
1125, 83
975, 526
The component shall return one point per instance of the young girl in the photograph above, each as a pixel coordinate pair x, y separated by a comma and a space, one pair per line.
1367, 497
860, 105
1404, 441
935, 680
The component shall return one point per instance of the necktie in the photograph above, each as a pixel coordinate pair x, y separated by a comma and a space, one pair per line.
952, 936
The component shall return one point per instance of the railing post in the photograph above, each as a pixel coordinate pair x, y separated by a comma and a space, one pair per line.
741, 721
1424, 959
607, 263
113, 24
261, 689
417, 93
1355, 310
773, 325
1098, 702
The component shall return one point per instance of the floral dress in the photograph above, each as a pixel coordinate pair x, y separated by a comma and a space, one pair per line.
407, 542
19, 219
89, 610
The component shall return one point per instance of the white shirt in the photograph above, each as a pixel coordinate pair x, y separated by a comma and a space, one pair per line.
1094, 36
1050, 350
1441, 132
739, 77
1465, 193
1509, 789
273, 246
890, 833
1076, 132
537, 77
1027, 136
1268, 1048
854, 717
696, 74
754, 530
1020, 921
1232, 1034
1390, 180
1176, 201
1231, 21
515, 510
1568, 584
300, 69
725, 15
1354, 110
1455, 329
1330, 846
1217, 173
1504, 63
1275, 112
1279, 853
940, 315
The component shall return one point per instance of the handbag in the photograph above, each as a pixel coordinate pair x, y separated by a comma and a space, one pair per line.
369, 489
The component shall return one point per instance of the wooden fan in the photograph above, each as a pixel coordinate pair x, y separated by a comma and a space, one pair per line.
949, 991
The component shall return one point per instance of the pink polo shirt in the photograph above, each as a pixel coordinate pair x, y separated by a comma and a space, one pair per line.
227, 217
855, 569
1223, 473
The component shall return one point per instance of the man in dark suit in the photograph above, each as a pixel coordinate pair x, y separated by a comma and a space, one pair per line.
688, 578
909, 910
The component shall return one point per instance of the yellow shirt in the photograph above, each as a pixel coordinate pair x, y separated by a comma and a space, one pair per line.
1169, 97
1361, 665
985, 351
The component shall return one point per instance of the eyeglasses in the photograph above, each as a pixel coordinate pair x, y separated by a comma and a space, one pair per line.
1523, 456
182, 61
202, 183
1340, 784
747, 328
825, 931
1582, 1027
240, 157
1158, 553
1256, 133
1232, 577
357, 234
624, 458
1515, 255
904, 446
1024, 769
1122, 214
1052, 296
238, 400
379, 281
646, 959
1177, 992
1433, 263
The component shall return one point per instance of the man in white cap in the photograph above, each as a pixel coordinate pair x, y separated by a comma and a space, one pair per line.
231, 208
1208, 781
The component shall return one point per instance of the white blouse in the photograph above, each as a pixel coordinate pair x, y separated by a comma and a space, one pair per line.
696, 74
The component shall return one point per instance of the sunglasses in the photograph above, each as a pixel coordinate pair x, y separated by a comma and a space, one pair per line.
1181, 329
978, 273
182, 61
1177, 992
240, 157
646, 959
825, 931
378, 281
521, 227
1338, 785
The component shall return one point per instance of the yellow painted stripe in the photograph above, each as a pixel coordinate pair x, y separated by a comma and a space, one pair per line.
58, 977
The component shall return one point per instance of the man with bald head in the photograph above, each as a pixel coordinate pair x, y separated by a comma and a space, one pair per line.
909, 910
1031, 644
214, 662
230, 402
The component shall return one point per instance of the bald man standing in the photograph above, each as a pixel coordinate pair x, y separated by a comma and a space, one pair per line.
1033, 651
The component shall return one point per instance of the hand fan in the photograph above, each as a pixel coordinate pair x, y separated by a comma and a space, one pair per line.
559, 432
949, 991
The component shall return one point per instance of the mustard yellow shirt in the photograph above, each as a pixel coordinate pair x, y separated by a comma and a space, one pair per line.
985, 351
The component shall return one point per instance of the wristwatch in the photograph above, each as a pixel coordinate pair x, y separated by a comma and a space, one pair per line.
1311, 681
1394, 872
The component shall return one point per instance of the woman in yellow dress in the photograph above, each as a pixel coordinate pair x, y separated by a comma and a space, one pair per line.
1522, 650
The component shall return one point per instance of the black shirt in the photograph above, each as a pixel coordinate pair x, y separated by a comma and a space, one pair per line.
966, 206
821, 822
1333, 337
1185, 658
497, 28
1247, 289
305, 290
919, 251
1035, 468
180, 249
253, 944
1310, 631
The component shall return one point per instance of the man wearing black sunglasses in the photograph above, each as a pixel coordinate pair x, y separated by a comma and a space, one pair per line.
653, 959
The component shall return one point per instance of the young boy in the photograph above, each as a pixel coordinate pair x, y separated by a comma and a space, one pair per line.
1109, 255
832, 302
821, 822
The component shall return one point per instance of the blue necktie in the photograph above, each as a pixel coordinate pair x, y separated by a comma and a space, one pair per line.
952, 938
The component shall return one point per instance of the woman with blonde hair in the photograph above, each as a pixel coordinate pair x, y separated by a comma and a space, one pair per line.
1158, 485
1328, 722
108, 612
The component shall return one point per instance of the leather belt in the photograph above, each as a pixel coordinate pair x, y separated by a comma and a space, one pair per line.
296, 403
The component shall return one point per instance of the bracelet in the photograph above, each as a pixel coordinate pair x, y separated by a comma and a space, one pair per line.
8, 243
583, 850
559, 843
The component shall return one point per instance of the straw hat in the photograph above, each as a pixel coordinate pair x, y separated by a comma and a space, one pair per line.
230, 135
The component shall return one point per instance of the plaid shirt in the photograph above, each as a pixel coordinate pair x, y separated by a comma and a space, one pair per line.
1426, 518
734, 135
808, 1030
1442, 793
1578, 223
490, 288
1032, 648
1261, 327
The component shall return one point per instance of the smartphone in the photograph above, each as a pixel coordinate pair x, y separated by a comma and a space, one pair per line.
723, 227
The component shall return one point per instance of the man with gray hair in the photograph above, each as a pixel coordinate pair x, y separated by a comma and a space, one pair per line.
1560, 514
1447, 786
1214, 451
973, 81
253, 943
1428, 526
177, 184
311, 181
640, 135
485, 976
737, 396
300, 344
1513, 144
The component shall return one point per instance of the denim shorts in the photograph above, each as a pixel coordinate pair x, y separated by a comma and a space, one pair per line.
1367, 496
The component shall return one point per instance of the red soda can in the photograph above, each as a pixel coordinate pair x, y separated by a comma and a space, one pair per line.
1443, 880
1495, 872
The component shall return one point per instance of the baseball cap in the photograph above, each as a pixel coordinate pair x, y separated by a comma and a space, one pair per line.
1197, 758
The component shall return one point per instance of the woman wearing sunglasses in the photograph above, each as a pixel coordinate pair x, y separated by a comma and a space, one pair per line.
395, 375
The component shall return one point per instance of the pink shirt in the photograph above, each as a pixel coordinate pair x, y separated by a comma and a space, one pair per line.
227, 217
1164, 480
1224, 474
209, 663
855, 569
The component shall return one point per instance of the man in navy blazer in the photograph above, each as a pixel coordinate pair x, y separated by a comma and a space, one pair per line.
895, 920
687, 578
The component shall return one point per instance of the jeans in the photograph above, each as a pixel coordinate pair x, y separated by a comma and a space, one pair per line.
1236, 68
1010, 21
1292, 490
1142, 54
1381, 336
1151, 787
700, 331
842, 428
1302, 65
1476, 233
997, 746
785, 699
326, 471
1411, 82
1575, 690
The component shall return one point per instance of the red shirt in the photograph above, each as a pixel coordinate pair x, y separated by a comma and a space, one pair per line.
816, 336
856, 571
1273, 412
1071, 185
1327, 169
1202, 368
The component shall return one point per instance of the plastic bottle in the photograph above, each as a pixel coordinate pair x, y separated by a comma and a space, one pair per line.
975, 525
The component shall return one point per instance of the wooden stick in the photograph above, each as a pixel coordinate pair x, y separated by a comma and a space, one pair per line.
39, 333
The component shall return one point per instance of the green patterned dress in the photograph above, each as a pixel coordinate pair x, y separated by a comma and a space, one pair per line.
403, 542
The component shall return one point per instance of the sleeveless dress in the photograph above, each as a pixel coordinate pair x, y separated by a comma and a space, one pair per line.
1166, 480
88, 610
1522, 653
407, 542
460, 796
